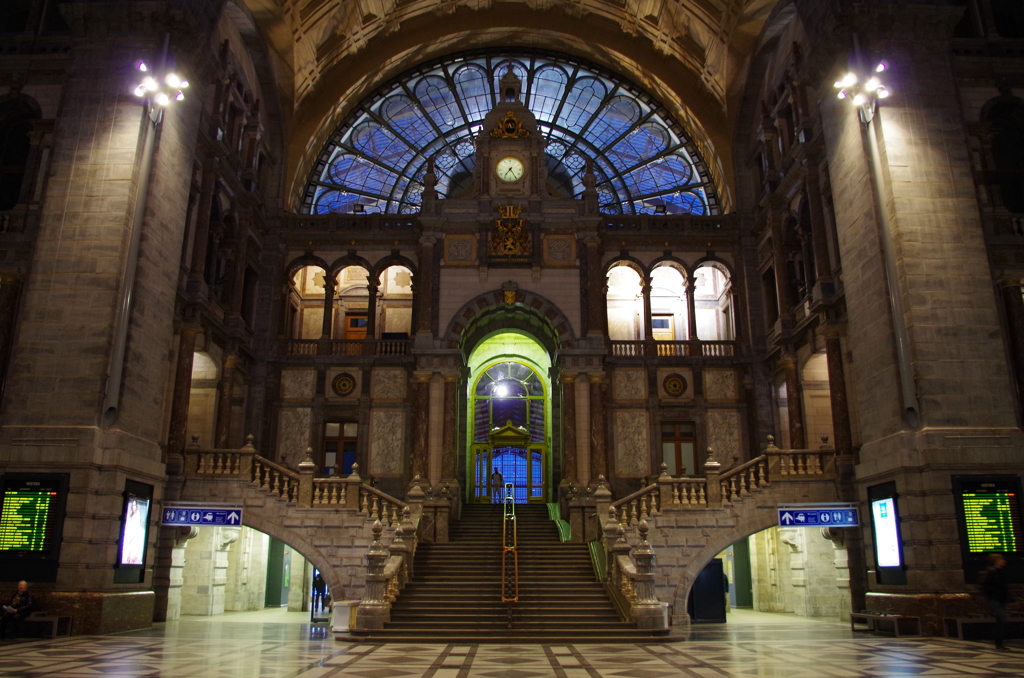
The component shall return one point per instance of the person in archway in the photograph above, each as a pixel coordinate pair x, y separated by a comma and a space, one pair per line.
497, 482
319, 587
997, 592
15, 610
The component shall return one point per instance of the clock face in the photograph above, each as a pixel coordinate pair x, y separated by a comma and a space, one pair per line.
509, 169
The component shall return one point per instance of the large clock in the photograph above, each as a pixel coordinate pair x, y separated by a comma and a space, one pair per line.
510, 169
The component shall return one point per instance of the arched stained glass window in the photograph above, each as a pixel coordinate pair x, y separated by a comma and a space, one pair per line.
644, 160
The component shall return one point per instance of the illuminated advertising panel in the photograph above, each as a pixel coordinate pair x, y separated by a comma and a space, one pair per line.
989, 518
131, 552
31, 523
890, 567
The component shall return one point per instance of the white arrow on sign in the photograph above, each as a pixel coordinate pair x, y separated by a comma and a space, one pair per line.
787, 518
232, 517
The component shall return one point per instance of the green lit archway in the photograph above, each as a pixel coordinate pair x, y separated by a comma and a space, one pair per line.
509, 417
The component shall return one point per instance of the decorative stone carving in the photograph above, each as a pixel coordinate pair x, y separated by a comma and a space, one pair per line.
683, 373
386, 438
630, 385
675, 385
388, 384
631, 443
460, 250
293, 425
298, 385
719, 385
724, 432
559, 250
343, 383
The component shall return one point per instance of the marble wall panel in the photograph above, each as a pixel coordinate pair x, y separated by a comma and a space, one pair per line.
293, 433
719, 384
388, 383
298, 385
632, 457
630, 385
386, 442
724, 434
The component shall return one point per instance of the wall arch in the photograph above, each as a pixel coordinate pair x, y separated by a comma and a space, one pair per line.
530, 312
256, 520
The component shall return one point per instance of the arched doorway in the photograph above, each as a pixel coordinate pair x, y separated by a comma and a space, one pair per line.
509, 418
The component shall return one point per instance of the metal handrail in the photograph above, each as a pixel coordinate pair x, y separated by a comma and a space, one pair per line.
509, 556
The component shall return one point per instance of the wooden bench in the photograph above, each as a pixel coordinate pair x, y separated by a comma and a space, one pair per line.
42, 625
899, 624
980, 628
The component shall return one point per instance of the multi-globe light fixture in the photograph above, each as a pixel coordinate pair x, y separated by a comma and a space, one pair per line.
160, 92
863, 91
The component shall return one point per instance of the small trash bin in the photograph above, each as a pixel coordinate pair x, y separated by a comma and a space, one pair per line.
344, 615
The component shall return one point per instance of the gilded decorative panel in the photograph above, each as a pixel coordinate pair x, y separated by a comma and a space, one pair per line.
344, 382
719, 385
388, 383
685, 380
293, 425
630, 385
298, 385
386, 437
632, 455
724, 434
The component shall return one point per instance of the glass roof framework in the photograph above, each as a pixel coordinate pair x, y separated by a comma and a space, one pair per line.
377, 157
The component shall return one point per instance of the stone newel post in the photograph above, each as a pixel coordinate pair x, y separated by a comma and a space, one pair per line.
307, 469
352, 493
646, 609
375, 609
712, 471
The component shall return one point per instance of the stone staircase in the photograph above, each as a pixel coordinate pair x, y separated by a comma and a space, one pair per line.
454, 594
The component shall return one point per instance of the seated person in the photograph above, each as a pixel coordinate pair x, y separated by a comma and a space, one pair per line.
15, 609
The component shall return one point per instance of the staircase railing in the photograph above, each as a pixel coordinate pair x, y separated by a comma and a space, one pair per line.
509, 555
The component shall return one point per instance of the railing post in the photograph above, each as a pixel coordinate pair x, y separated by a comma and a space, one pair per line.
576, 516
664, 488
772, 453
352, 492
828, 457
307, 469
414, 497
712, 472
375, 610
611, 529
409, 530
245, 458
617, 546
602, 500
646, 610
400, 548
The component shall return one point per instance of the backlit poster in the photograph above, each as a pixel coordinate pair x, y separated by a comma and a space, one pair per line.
133, 545
887, 536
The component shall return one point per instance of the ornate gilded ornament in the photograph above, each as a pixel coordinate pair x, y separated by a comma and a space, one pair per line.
343, 384
510, 127
510, 240
675, 385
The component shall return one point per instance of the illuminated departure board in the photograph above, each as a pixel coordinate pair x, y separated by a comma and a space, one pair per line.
25, 519
993, 521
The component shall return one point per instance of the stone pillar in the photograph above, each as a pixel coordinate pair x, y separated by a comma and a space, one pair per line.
449, 453
328, 324
177, 435
421, 423
837, 392
225, 394
1010, 288
569, 473
819, 237
645, 290
597, 290
197, 271
205, 571
691, 309
794, 400
372, 288
781, 270
10, 294
375, 609
645, 610
241, 255
598, 430
435, 421
423, 298
583, 467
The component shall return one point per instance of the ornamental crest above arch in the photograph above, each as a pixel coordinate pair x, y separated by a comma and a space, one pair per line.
644, 161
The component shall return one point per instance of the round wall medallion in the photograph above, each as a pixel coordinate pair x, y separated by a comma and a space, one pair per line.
675, 385
344, 384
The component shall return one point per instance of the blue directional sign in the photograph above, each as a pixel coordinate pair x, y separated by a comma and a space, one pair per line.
200, 515
818, 517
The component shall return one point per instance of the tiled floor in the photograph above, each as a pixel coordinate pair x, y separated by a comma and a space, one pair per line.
279, 645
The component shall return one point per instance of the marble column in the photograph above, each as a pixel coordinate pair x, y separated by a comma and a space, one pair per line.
645, 291
837, 393
691, 309
1013, 302
197, 271
225, 394
423, 299
421, 424
10, 294
583, 429
372, 288
328, 323
176, 436
448, 449
794, 400
435, 439
598, 433
597, 313
819, 237
569, 472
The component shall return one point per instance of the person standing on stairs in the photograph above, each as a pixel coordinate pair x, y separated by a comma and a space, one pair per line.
497, 482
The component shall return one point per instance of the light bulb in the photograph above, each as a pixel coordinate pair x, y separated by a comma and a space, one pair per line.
880, 67
183, 84
142, 66
140, 91
842, 94
150, 84
172, 80
859, 100
838, 84
179, 96
162, 98
872, 84
850, 79
882, 92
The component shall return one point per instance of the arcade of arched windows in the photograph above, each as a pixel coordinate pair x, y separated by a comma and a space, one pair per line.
349, 302
670, 308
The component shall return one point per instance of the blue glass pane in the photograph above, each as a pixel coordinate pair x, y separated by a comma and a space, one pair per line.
377, 142
504, 410
340, 202
584, 99
508, 388
481, 475
474, 90
618, 116
481, 421
536, 474
510, 462
642, 144
439, 102
360, 174
407, 119
546, 92
501, 67
537, 432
